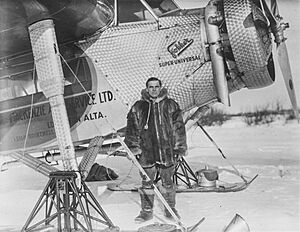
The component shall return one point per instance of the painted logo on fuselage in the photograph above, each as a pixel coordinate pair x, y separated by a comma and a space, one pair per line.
177, 47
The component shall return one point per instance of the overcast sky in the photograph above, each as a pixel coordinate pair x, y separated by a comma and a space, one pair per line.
245, 99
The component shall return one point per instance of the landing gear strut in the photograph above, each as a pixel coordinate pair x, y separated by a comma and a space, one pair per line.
183, 173
63, 200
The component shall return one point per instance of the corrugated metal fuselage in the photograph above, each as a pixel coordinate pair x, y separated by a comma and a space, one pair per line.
117, 64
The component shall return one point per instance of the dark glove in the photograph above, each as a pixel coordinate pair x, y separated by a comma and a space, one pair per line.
136, 152
177, 156
138, 156
178, 153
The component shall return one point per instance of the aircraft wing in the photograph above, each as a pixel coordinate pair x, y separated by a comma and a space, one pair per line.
73, 20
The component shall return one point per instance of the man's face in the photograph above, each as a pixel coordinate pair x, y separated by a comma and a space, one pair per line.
153, 88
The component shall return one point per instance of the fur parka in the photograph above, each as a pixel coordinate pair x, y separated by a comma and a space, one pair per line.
155, 130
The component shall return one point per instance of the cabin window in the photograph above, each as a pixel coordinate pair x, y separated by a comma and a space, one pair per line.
134, 10
76, 71
18, 86
26, 83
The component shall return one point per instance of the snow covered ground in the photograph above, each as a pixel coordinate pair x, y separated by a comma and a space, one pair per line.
270, 203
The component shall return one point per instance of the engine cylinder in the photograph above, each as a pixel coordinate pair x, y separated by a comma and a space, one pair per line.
250, 41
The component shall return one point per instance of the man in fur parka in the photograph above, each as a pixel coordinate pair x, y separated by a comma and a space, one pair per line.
156, 135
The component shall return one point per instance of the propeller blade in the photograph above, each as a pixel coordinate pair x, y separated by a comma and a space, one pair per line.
283, 58
274, 8
284, 63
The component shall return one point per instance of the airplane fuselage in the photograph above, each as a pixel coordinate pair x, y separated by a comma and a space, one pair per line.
110, 69
119, 61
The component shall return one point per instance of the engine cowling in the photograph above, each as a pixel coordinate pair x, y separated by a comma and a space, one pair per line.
250, 43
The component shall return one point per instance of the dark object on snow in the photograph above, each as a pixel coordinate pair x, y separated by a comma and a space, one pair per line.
101, 173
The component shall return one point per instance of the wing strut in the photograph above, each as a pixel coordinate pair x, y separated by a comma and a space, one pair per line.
212, 18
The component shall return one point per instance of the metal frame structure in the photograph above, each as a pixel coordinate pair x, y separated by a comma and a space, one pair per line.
63, 200
183, 173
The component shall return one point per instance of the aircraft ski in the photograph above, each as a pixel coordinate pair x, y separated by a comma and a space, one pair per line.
221, 187
203, 180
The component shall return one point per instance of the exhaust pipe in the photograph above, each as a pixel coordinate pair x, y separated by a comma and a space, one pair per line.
212, 17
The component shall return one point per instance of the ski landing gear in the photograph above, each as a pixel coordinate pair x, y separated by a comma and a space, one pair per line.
183, 173
71, 203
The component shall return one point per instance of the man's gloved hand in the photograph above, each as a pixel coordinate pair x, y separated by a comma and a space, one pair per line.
136, 152
137, 156
178, 153
177, 156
